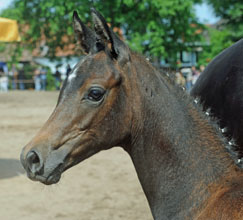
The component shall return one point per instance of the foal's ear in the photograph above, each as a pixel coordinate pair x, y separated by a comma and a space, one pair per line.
118, 49
84, 35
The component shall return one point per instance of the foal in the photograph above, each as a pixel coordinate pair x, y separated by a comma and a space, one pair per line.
114, 97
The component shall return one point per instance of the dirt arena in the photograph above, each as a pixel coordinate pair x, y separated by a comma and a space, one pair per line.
103, 187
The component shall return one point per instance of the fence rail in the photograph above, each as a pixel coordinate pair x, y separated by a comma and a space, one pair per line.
21, 81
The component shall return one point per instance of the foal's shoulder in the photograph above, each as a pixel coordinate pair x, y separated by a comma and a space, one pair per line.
226, 202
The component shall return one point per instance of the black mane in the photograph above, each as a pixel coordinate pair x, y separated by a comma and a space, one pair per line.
220, 88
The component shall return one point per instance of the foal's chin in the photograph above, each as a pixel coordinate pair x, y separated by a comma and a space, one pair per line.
47, 179
53, 179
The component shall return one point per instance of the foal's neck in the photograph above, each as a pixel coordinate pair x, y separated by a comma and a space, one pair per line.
176, 151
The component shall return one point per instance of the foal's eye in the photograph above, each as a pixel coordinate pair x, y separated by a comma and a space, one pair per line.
96, 94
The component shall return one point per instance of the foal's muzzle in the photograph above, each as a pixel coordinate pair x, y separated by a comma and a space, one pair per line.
46, 170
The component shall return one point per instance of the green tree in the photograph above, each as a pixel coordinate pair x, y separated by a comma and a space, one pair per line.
219, 40
227, 31
231, 13
155, 28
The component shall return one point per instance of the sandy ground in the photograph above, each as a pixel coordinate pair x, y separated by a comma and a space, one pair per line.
101, 188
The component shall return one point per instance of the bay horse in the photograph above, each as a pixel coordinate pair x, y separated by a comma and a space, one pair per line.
115, 97
220, 89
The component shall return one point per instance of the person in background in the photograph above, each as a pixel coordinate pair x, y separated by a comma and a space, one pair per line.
21, 78
3, 81
180, 79
57, 76
14, 76
187, 74
189, 81
202, 68
43, 78
68, 70
195, 74
37, 79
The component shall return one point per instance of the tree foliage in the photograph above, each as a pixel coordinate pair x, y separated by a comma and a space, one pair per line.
156, 28
219, 40
231, 11
227, 31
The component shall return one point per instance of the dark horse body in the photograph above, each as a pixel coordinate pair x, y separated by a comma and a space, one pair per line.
220, 89
114, 97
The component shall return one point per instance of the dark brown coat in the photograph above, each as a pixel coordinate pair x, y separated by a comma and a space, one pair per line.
114, 97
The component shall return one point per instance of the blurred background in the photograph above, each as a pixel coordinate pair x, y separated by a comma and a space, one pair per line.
174, 34
37, 52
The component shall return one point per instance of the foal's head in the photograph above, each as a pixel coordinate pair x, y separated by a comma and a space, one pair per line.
93, 112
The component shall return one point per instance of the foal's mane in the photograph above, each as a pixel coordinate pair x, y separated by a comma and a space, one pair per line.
187, 100
180, 92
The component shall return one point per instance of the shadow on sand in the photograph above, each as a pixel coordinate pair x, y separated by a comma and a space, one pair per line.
10, 168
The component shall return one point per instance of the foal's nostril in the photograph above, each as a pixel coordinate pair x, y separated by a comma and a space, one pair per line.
34, 162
